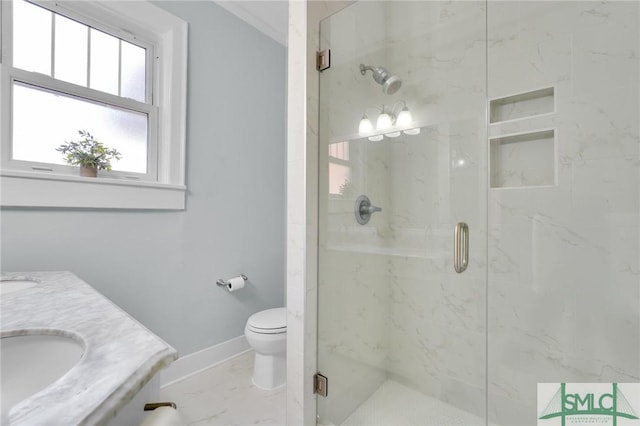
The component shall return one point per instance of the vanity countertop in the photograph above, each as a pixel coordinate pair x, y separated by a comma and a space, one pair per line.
120, 356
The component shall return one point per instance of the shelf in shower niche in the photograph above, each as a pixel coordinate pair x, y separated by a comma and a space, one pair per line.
522, 105
523, 160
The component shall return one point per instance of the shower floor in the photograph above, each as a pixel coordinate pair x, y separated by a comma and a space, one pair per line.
396, 404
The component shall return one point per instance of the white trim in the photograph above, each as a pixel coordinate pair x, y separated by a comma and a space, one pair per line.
34, 189
273, 24
172, 100
196, 362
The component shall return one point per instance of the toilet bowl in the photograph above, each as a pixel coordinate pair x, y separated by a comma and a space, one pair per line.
266, 332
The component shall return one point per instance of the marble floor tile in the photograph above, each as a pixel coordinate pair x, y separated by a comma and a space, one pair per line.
224, 395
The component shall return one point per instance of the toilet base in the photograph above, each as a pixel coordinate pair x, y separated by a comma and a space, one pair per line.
270, 371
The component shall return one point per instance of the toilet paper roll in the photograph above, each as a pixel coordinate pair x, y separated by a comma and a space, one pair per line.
235, 283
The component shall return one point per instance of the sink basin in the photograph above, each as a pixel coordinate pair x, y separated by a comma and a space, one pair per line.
31, 363
9, 286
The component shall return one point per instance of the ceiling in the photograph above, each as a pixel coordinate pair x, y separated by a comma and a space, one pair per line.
268, 16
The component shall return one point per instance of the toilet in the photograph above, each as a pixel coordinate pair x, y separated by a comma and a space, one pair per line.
266, 332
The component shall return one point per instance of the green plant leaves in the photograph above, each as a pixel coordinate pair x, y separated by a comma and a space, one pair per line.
88, 151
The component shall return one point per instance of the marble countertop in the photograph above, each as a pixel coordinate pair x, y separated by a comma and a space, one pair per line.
121, 355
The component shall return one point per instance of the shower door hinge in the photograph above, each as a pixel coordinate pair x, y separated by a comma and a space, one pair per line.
320, 384
323, 60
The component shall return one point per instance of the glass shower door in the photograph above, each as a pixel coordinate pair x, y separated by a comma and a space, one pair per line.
401, 334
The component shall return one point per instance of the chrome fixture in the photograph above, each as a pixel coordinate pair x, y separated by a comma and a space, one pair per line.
388, 123
364, 209
320, 384
390, 83
225, 283
153, 405
461, 247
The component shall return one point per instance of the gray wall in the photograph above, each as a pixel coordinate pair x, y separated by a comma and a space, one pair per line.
161, 267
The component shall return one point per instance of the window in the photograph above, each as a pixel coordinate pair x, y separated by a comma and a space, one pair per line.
109, 94
115, 69
339, 169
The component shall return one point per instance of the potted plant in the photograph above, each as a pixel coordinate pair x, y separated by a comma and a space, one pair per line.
88, 153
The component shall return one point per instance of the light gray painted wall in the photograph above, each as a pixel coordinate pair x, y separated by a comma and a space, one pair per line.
161, 267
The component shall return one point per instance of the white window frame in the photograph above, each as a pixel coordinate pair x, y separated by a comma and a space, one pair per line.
167, 37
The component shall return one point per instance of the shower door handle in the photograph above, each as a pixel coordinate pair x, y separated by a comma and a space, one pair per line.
461, 247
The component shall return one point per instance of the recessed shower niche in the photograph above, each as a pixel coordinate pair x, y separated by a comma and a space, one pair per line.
525, 159
522, 105
522, 158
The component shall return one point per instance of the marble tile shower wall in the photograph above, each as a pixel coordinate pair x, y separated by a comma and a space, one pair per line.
353, 293
563, 268
437, 341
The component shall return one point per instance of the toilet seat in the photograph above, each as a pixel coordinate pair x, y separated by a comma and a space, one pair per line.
270, 321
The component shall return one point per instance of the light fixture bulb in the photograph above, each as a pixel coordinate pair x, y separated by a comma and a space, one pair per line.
384, 122
412, 132
376, 138
392, 134
404, 118
365, 126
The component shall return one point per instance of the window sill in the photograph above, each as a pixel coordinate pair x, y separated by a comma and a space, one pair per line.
33, 189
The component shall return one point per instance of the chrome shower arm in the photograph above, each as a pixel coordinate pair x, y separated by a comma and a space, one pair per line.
390, 83
364, 68
379, 74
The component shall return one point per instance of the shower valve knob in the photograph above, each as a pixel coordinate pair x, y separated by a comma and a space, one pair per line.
364, 209
369, 209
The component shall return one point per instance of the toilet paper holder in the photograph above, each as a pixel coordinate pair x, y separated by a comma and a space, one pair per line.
153, 405
225, 283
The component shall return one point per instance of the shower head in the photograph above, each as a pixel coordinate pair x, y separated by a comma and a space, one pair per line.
390, 83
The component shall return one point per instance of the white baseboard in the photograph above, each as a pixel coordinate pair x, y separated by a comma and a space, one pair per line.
193, 363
